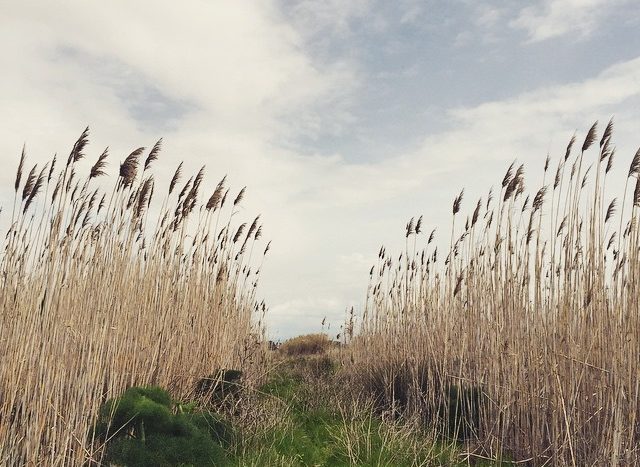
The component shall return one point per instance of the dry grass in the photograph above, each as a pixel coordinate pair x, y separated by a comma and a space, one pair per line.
535, 306
308, 344
98, 295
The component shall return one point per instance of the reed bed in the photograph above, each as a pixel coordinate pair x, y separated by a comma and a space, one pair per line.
532, 312
102, 290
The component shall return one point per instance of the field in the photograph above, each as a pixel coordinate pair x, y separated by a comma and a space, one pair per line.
516, 344
533, 316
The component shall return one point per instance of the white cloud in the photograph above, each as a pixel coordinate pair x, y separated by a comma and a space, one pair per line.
322, 16
554, 109
488, 16
555, 18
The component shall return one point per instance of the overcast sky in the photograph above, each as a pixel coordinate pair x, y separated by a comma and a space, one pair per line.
344, 118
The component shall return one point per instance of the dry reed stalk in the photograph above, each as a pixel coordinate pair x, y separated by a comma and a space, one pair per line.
547, 330
95, 303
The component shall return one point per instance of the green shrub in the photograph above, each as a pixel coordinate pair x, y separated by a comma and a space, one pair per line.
140, 429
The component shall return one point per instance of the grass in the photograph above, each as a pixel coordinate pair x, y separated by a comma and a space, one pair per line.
140, 428
308, 344
533, 305
101, 290
310, 427
318, 430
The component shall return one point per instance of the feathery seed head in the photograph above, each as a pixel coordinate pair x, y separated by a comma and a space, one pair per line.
129, 168
153, 154
240, 196
29, 184
457, 202
569, 146
176, 178
76, 152
20, 167
606, 136
591, 137
97, 169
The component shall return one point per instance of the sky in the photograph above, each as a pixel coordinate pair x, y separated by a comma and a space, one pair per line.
344, 119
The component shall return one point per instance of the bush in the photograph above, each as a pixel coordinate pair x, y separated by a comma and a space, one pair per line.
140, 429
308, 344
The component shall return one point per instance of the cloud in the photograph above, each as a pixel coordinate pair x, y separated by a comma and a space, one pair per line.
242, 65
555, 18
326, 16
482, 140
554, 108
488, 16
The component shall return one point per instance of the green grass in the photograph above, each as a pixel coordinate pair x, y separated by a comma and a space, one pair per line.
322, 437
315, 434
311, 427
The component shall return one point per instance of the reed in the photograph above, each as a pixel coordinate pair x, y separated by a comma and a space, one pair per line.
534, 313
94, 301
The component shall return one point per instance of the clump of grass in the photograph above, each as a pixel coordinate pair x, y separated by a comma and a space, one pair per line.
103, 289
140, 428
308, 344
533, 307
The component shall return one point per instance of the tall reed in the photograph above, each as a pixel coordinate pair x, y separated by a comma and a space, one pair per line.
534, 310
102, 290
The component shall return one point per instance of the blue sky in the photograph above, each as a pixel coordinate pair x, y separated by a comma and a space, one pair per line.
421, 58
344, 119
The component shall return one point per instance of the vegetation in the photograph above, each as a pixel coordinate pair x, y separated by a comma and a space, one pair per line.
312, 423
139, 428
220, 388
308, 344
324, 423
533, 315
518, 344
102, 291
